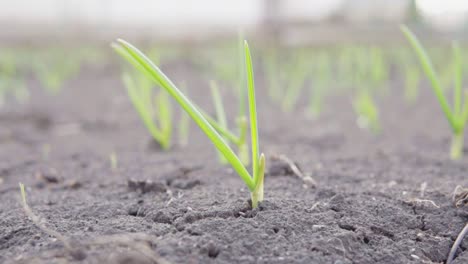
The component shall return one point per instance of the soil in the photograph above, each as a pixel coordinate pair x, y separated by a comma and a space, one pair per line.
384, 198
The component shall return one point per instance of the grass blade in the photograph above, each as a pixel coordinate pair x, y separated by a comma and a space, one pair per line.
458, 72
139, 60
252, 111
431, 74
164, 111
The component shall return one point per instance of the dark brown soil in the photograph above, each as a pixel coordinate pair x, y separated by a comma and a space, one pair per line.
379, 198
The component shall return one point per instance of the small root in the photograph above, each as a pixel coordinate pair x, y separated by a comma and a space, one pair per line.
417, 201
306, 178
172, 198
40, 223
138, 242
315, 206
460, 196
457, 243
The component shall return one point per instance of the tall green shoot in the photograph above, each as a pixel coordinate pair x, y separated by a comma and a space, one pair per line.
321, 80
367, 111
363, 102
299, 69
253, 180
272, 73
456, 115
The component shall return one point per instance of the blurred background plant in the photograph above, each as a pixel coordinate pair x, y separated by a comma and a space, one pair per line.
309, 50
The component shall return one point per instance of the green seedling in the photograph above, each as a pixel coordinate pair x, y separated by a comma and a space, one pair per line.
297, 73
346, 68
321, 80
53, 70
378, 69
231, 70
12, 80
411, 72
366, 109
254, 180
272, 73
458, 114
153, 108
358, 70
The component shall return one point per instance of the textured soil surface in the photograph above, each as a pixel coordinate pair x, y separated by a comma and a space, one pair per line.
383, 198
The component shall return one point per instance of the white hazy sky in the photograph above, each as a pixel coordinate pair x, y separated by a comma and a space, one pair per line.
448, 14
443, 7
445, 13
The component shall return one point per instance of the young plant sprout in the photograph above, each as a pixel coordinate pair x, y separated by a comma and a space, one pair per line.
54, 69
366, 109
458, 114
12, 81
232, 71
298, 72
346, 67
378, 69
254, 180
157, 114
320, 82
411, 71
272, 72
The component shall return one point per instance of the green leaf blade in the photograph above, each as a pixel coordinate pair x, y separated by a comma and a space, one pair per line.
431, 74
252, 111
139, 60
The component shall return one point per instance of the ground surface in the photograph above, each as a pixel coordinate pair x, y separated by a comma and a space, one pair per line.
379, 198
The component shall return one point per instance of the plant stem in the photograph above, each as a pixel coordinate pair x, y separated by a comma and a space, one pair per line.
257, 194
456, 149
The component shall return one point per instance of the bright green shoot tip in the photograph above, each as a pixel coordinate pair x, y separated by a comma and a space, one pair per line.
366, 109
254, 180
458, 114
